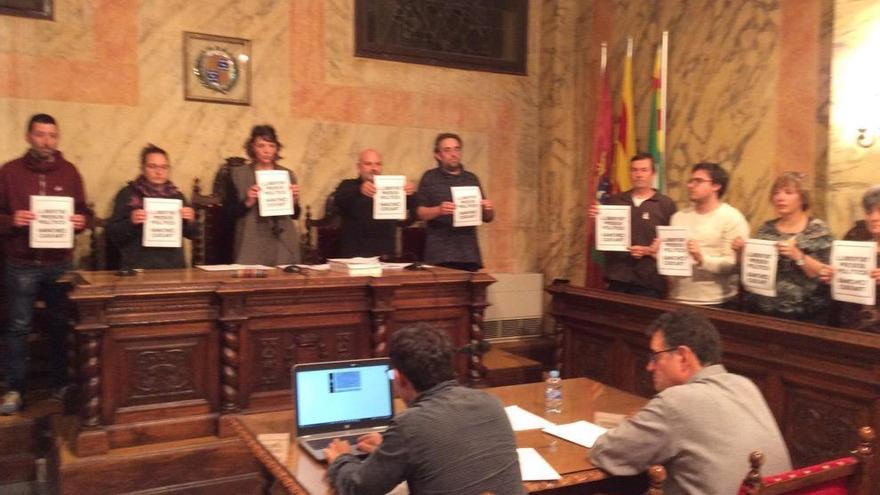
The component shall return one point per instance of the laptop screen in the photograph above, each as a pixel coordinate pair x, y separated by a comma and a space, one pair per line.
342, 395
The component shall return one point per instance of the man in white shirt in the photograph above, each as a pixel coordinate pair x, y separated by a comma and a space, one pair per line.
713, 225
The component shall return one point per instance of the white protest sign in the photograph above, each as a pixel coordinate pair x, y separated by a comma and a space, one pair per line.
613, 228
759, 262
389, 202
275, 198
52, 228
672, 257
468, 211
853, 262
163, 226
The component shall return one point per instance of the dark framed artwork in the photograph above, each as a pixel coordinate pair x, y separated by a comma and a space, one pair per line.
487, 35
40, 9
216, 69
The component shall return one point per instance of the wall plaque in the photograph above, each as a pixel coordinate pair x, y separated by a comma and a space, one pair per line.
216, 69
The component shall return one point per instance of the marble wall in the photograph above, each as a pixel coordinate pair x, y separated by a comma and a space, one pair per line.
110, 72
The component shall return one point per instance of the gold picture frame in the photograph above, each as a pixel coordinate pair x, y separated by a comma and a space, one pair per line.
216, 69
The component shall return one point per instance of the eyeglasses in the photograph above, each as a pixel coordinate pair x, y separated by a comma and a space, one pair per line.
697, 181
652, 355
153, 166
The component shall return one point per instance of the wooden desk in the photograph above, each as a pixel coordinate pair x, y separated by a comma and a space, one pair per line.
300, 474
166, 354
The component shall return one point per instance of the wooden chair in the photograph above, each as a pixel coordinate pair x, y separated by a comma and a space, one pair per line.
656, 477
852, 475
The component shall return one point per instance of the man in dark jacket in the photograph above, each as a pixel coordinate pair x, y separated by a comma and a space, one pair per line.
33, 272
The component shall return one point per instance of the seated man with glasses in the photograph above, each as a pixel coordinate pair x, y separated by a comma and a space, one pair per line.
450, 439
704, 421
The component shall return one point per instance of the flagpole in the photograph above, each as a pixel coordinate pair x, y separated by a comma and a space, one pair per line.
664, 64
629, 47
604, 57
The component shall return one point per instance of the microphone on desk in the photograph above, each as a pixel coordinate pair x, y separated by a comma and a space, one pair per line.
475, 347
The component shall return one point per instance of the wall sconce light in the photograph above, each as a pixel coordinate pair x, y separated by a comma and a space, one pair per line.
866, 137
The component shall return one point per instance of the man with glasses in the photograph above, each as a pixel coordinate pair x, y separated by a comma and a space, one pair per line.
713, 225
445, 244
450, 439
704, 421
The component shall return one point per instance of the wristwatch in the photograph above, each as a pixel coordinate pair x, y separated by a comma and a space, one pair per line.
800, 261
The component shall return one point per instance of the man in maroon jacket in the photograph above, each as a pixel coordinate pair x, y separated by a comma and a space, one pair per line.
32, 273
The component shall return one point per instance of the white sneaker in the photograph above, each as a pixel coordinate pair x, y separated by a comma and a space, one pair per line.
11, 403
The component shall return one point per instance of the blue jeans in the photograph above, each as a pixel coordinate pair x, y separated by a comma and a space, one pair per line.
23, 285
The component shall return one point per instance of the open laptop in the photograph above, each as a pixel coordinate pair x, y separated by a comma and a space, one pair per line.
341, 399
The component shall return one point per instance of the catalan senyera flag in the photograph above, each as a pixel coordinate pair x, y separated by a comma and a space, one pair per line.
656, 133
625, 145
599, 185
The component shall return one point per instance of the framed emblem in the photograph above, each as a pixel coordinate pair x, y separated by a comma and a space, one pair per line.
216, 69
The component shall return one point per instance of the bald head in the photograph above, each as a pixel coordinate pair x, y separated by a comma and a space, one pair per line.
369, 164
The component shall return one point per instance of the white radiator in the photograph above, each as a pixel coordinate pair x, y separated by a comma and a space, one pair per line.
517, 306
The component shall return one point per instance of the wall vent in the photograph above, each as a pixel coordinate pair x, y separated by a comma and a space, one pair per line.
517, 306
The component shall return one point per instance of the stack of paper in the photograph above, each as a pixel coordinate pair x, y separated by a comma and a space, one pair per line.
581, 432
369, 267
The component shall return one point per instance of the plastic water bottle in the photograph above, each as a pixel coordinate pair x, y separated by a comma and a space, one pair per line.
553, 393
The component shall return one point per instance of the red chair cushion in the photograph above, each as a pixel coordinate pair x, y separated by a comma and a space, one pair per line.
831, 487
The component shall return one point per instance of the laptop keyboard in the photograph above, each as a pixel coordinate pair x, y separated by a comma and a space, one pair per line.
322, 443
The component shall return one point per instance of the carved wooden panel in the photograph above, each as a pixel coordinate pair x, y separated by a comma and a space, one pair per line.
589, 356
819, 425
153, 371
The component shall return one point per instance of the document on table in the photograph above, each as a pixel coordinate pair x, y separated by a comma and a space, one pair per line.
52, 228
520, 419
759, 261
613, 228
580, 432
275, 198
163, 226
533, 467
468, 211
389, 202
672, 257
278, 444
853, 262
226, 268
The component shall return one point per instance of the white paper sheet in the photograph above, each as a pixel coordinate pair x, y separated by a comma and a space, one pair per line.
581, 432
672, 258
52, 228
468, 211
163, 226
520, 419
278, 444
613, 228
760, 259
533, 467
389, 202
853, 262
275, 198
225, 268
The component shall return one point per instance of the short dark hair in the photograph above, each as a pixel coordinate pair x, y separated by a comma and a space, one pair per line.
422, 353
149, 149
446, 135
871, 199
41, 118
798, 181
716, 173
266, 132
690, 328
641, 155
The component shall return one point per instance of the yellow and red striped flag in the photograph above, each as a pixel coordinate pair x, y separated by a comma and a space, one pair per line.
625, 145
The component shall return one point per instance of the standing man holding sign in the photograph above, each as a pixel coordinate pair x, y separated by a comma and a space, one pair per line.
132, 214
262, 240
362, 233
713, 225
635, 272
33, 272
447, 244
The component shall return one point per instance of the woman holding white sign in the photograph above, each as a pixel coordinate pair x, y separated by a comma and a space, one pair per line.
262, 235
860, 316
804, 245
126, 227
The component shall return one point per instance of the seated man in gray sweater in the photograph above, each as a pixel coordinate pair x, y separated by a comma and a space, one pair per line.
450, 440
703, 422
